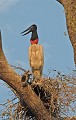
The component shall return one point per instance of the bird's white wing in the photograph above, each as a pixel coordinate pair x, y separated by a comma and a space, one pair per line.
36, 57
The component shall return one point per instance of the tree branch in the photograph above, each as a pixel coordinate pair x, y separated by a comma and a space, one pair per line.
26, 94
70, 13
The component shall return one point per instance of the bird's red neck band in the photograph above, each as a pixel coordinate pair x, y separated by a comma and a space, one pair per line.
34, 41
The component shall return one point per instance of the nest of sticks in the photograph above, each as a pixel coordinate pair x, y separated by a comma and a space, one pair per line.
56, 94
47, 90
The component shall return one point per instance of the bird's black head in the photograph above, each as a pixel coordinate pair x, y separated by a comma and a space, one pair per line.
32, 28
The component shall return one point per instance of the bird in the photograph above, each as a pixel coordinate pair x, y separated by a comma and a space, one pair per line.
35, 51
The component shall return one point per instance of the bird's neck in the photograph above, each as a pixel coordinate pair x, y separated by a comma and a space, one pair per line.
34, 35
34, 38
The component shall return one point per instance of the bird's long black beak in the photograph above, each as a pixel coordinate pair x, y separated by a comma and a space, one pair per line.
28, 30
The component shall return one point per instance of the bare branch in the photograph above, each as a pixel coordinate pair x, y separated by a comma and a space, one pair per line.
17, 67
26, 95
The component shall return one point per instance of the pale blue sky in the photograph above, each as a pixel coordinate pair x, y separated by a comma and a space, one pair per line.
17, 15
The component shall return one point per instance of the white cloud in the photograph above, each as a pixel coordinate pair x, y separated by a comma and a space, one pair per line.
5, 4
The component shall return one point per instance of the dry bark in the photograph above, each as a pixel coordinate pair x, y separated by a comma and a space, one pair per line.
70, 13
25, 94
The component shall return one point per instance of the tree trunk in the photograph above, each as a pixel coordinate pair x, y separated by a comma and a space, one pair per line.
25, 94
70, 13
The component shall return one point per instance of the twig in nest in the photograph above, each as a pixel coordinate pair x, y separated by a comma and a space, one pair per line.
15, 67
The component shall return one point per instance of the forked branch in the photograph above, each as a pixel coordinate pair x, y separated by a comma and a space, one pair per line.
26, 94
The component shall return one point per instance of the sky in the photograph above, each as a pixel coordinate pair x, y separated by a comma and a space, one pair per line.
49, 16
17, 15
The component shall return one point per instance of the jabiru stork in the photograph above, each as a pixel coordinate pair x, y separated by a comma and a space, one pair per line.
35, 51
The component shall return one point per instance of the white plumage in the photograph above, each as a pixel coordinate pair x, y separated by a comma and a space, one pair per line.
36, 59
